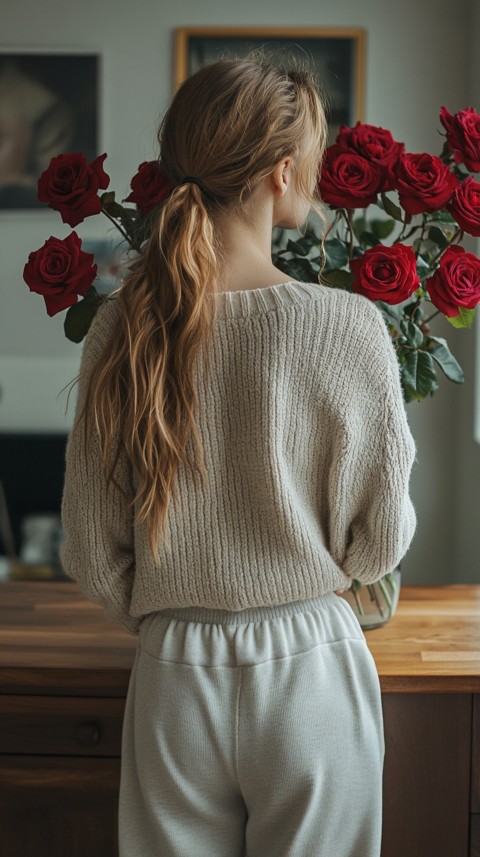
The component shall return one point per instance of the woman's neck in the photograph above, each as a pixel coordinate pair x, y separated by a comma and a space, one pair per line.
246, 242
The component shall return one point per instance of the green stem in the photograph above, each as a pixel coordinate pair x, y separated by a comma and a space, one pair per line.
408, 235
431, 316
407, 219
358, 602
458, 234
424, 225
386, 595
389, 582
350, 225
125, 234
417, 303
348, 217
374, 597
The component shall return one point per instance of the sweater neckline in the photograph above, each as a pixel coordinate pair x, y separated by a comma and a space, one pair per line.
252, 302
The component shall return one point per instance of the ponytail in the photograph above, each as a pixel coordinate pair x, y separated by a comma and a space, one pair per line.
228, 124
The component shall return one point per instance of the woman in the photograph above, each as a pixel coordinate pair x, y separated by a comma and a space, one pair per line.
261, 454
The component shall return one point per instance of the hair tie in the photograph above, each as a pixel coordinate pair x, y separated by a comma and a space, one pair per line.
196, 181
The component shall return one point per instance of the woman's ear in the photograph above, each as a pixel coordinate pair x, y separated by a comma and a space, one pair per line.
281, 175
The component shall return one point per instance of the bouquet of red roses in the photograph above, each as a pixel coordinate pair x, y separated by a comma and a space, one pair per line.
438, 201
60, 270
424, 263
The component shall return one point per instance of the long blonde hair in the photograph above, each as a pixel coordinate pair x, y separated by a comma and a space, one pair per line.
228, 124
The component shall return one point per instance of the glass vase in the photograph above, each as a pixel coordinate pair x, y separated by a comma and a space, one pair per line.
374, 603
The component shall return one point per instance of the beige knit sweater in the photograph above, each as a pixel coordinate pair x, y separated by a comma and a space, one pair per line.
308, 453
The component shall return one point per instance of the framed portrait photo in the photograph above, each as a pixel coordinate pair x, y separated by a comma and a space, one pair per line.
336, 54
49, 105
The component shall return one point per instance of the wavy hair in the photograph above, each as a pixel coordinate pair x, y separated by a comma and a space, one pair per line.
229, 124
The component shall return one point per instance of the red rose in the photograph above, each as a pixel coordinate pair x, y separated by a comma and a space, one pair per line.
374, 144
388, 274
465, 206
424, 182
347, 180
149, 186
60, 270
456, 282
70, 185
463, 136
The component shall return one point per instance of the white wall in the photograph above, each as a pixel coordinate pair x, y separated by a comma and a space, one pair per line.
417, 59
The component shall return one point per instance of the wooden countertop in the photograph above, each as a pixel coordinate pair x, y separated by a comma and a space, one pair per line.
54, 641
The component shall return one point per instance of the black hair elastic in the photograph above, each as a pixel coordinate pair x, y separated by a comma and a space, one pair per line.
196, 181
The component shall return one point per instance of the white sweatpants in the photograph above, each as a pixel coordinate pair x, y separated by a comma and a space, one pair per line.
253, 734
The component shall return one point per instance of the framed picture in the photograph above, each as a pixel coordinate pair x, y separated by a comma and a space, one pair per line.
49, 104
336, 54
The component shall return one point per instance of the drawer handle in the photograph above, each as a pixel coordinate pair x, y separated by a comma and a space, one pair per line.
88, 733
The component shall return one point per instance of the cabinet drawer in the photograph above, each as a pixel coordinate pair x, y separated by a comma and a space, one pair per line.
66, 726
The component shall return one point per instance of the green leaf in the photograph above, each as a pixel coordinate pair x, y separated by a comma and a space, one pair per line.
394, 311
418, 375
423, 268
368, 239
445, 359
81, 314
338, 279
358, 252
446, 155
301, 247
382, 228
300, 269
336, 252
392, 209
463, 319
413, 333
115, 210
358, 225
442, 217
437, 235
107, 198
462, 174
130, 213
417, 312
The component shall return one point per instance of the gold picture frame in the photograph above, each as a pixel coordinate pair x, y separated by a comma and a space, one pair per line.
337, 53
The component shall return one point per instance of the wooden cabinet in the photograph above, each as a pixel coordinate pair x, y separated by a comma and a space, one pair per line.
475, 779
59, 774
427, 774
58, 805
64, 671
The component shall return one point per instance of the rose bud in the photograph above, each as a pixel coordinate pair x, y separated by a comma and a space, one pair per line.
149, 186
456, 282
388, 274
60, 271
70, 185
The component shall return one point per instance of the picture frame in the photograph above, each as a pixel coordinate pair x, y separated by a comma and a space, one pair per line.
336, 53
49, 105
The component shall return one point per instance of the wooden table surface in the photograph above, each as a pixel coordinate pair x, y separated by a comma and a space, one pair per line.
54, 640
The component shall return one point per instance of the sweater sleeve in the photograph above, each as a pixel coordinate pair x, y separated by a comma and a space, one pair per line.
371, 515
98, 546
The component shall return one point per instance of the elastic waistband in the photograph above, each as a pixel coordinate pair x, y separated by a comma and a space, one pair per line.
250, 614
